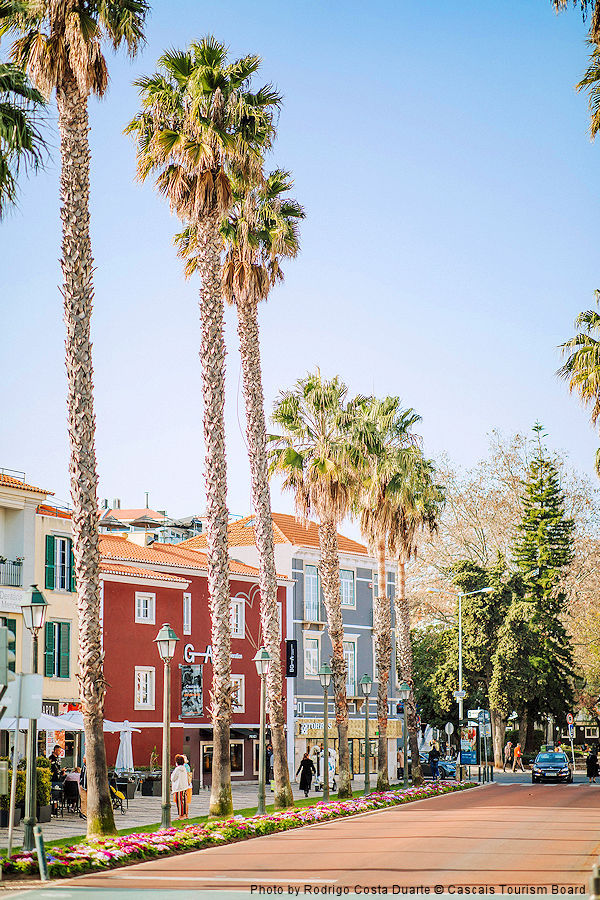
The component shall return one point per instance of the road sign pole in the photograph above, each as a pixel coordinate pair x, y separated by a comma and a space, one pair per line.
13, 783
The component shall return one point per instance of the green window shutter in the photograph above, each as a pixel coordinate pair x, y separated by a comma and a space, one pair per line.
64, 649
49, 583
73, 587
11, 624
49, 651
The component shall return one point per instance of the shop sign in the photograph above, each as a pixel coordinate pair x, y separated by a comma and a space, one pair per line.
191, 691
291, 658
190, 654
10, 600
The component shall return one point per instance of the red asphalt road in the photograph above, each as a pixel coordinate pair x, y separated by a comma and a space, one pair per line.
499, 835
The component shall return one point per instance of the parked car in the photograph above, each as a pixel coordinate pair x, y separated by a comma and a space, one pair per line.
551, 765
446, 767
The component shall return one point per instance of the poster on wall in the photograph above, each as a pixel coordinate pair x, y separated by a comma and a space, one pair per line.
191, 691
52, 739
468, 745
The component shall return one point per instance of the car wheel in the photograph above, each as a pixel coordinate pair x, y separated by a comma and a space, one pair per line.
533, 779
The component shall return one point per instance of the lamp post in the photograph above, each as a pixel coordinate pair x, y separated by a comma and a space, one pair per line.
34, 616
262, 661
404, 694
365, 685
165, 641
325, 679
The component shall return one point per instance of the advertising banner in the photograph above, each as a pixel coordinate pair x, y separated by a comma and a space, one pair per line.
468, 745
191, 691
291, 659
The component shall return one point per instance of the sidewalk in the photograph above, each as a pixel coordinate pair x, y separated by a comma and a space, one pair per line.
146, 811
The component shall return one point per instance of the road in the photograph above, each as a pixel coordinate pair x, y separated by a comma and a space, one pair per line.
510, 835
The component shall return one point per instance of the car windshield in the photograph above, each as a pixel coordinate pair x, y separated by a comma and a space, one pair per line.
552, 757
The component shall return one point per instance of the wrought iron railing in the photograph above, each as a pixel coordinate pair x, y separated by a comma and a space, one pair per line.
11, 574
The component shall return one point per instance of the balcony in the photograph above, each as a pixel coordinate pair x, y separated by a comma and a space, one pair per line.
11, 574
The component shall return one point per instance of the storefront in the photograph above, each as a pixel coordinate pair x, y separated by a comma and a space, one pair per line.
243, 749
309, 734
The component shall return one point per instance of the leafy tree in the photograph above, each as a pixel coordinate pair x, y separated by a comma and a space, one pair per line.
199, 126
60, 45
21, 142
582, 367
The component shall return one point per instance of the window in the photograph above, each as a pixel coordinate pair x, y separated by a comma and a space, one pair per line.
144, 687
238, 694
311, 594
145, 608
11, 626
591, 732
236, 756
187, 613
347, 587
57, 650
311, 657
59, 566
350, 657
237, 617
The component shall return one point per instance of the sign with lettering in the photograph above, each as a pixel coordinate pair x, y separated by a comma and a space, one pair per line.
190, 654
10, 600
191, 691
291, 659
468, 745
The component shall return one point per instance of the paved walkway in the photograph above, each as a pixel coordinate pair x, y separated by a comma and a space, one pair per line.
500, 836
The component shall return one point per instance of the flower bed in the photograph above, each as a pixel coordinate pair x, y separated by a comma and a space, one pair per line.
107, 853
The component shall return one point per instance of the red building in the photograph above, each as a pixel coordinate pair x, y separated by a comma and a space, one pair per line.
144, 586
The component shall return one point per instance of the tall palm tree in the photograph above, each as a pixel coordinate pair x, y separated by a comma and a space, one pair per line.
416, 503
586, 6
21, 142
199, 126
262, 228
320, 458
392, 426
582, 367
59, 43
591, 83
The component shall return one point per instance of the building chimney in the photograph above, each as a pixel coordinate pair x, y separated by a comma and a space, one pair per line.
147, 503
116, 503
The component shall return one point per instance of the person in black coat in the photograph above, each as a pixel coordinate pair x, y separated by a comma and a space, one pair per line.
307, 768
591, 766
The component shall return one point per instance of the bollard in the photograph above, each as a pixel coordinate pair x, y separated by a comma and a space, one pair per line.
595, 884
479, 774
492, 772
41, 852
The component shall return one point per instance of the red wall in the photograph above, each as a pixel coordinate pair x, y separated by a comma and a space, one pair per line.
128, 644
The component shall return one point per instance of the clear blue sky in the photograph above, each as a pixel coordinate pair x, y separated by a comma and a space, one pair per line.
451, 193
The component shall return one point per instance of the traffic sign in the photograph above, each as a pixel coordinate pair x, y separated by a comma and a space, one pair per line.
569, 718
449, 728
484, 715
571, 730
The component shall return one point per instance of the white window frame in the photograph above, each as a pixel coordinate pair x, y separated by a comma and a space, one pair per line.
591, 731
187, 613
351, 639
150, 673
353, 604
240, 621
240, 681
307, 611
62, 571
150, 619
280, 618
311, 636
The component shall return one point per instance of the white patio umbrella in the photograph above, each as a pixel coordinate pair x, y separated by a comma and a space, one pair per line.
124, 760
44, 723
73, 721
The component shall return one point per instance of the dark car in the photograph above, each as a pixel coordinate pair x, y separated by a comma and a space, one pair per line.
551, 765
446, 767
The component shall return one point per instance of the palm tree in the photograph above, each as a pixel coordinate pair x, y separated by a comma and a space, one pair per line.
591, 83
199, 126
392, 426
586, 6
21, 142
60, 45
416, 503
320, 458
582, 368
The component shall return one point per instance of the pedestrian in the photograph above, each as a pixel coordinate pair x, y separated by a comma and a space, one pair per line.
179, 786
188, 769
83, 790
307, 767
508, 755
271, 761
434, 755
400, 763
55, 766
518, 758
591, 766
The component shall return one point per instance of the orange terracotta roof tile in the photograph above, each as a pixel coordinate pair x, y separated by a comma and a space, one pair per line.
45, 509
112, 568
286, 530
128, 515
119, 548
7, 481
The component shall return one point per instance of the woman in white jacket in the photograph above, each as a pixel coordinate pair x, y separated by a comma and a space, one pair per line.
180, 783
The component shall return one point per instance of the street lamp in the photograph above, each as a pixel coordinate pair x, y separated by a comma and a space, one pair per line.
325, 678
365, 685
404, 694
262, 661
34, 616
165, 641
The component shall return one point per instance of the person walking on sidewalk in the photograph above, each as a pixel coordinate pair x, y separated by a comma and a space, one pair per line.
307, 767
591, 766
508, 755
179, 786
518, 758
434, 755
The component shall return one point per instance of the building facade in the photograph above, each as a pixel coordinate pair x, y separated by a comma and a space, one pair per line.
297, 557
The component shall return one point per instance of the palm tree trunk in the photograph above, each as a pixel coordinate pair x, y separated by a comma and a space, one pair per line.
405, 658
329, 570
212, 356
382, 622
78, 293
256, 433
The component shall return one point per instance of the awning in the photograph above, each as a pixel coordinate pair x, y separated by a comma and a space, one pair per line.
44, 723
